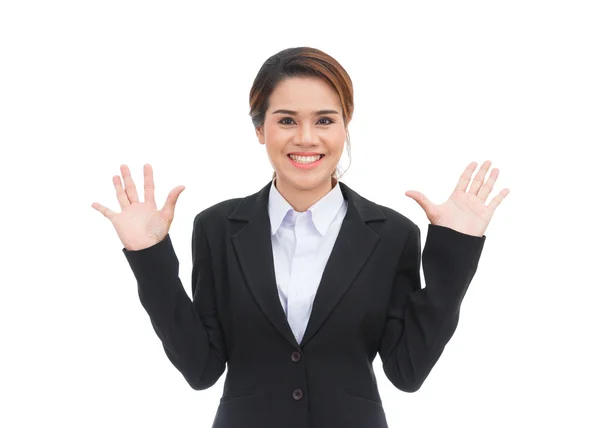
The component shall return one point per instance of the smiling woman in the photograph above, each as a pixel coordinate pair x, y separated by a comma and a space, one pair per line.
301, 103
297, 287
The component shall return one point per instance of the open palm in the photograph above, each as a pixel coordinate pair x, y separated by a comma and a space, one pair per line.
140, 224
465, 211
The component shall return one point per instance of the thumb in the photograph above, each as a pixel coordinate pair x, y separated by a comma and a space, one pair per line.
169, 207
420, 199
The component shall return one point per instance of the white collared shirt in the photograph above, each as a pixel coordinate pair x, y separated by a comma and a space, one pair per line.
302, 244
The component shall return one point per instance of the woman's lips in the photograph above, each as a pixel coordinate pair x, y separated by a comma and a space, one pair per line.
306, 165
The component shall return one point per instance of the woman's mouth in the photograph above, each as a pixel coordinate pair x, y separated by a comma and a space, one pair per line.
305, 161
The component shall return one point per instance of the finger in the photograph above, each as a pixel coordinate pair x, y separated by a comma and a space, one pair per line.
420, 199
129, 185
149, 185
169, 207
496, 201
121, 195
478, 180
486, 189
105, 211
465, 178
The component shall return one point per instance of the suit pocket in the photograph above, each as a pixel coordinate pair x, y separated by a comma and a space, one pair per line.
244, 409
245, 393
360, 396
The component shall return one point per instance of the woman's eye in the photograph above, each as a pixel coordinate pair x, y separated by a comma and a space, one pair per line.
285, 119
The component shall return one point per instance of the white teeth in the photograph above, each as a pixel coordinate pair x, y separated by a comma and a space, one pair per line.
305, 159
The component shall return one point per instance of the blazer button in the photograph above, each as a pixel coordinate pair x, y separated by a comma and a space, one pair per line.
296, 356
298, 394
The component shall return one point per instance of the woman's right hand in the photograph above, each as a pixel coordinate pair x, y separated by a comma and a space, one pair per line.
140, 224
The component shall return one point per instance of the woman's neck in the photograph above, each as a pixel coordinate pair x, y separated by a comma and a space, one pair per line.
302, 199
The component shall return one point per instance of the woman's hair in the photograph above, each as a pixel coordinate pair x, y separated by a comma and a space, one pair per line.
301, 62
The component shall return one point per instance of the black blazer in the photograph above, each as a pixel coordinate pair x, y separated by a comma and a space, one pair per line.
369, 301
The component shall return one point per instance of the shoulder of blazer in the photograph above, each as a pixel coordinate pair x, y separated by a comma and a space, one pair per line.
394, 219
245, 208
398, 220
217, 213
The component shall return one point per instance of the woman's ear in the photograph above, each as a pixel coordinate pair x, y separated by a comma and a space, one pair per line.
260, 134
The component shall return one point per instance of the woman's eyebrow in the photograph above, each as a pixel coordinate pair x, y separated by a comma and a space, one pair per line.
319, 112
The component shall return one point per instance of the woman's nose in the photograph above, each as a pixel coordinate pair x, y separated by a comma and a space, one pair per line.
306, 134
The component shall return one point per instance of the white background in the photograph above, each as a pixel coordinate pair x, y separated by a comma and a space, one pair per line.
87, 86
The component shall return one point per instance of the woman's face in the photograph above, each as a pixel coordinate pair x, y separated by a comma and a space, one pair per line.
304, 132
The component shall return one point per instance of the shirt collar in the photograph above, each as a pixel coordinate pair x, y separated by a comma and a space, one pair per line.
322, 212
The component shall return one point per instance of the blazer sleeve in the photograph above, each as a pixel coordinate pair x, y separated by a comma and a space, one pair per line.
421, 321
190, 331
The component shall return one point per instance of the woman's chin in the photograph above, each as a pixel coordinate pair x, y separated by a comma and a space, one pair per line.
307, 180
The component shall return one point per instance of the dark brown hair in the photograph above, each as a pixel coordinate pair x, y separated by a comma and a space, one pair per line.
300, 62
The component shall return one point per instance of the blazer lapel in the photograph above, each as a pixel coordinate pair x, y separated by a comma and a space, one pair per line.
352, 248
254, 250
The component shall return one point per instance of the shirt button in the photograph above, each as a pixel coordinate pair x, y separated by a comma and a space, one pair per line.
298, 394
296, 356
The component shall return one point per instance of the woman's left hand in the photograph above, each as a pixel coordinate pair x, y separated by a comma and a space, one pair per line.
465, 211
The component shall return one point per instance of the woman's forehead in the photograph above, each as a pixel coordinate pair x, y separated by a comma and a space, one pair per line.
304, 96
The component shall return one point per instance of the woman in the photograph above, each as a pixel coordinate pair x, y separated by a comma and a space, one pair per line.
299, 286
